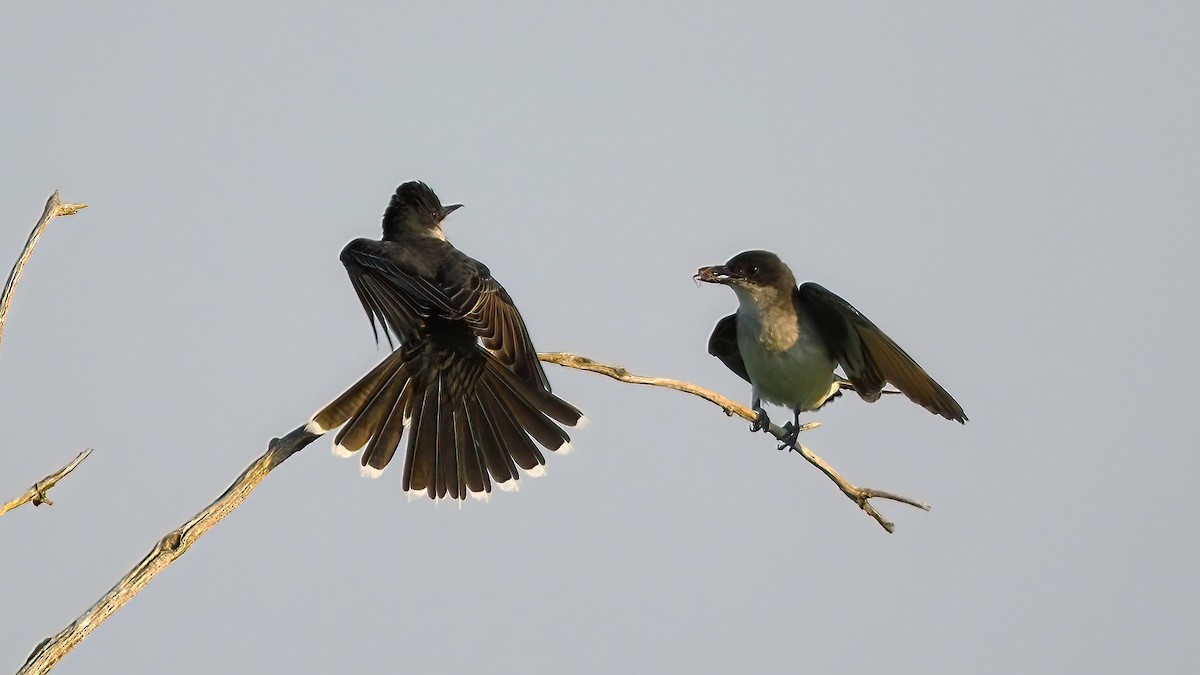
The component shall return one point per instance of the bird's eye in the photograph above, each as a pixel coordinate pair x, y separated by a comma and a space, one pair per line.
752, 270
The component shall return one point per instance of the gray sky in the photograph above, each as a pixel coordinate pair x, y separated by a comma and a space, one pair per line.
1009, 190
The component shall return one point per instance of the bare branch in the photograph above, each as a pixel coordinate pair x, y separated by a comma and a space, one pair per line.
37, 493
47, 654
54, 208
860, 495
618, 373
51, 650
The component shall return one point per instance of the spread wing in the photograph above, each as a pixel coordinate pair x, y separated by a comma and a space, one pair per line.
723, 345
488, 309
869, 357
397, 301
401, 301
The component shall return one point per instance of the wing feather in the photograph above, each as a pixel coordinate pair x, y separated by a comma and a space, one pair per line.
870, 358
403, 300
723, 344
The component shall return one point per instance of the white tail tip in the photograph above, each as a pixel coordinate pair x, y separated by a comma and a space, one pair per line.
510, 485
371, 472
583, 422
564, 449
339, 451
480, 496
313, 428
536, 472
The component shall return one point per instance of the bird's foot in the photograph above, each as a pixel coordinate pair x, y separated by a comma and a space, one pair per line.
761, 421
788, 442
791, 432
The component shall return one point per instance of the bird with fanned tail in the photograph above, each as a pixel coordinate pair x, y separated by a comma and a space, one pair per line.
463, 379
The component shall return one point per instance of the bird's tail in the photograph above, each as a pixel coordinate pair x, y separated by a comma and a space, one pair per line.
470, 421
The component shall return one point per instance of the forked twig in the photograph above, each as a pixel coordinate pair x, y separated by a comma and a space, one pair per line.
54, 208
860, 495
37, 493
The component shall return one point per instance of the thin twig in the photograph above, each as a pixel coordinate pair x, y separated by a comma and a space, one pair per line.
166, 551
37, 493
860, 495
54, 208
618, 373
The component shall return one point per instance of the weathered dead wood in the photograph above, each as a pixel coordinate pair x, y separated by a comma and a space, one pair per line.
176, 543
166, 551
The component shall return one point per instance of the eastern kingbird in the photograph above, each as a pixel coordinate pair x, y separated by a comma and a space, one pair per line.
465, 380
786, 341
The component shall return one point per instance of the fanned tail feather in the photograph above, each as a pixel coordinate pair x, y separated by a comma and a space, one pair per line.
471, 422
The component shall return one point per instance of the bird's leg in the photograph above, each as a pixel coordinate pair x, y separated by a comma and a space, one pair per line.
761, 421
793, 432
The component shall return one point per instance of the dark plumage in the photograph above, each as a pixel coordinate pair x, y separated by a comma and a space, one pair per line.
464, 382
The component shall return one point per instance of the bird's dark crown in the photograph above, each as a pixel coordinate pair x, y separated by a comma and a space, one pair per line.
415, 208
759, 268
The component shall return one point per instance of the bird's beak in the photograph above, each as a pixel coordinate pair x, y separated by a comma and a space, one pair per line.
717, 274
451, 208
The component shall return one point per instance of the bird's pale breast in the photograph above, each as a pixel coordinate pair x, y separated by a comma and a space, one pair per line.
787, 364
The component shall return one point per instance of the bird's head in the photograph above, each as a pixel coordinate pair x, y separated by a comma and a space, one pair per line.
751, 272
415, 209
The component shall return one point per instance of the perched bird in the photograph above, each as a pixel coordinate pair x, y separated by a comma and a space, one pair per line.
464, 381
786, 341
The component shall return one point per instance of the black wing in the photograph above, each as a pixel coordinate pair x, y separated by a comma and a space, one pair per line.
398, 299
723, 344
402, 300
488, 309
868, 356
